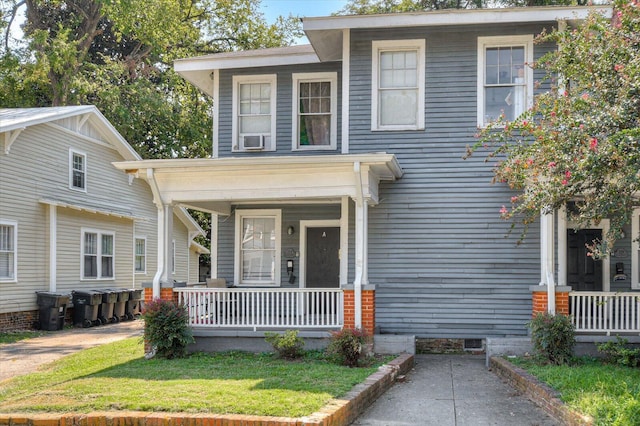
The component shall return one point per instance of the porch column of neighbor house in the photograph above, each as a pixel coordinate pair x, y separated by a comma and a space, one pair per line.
163, 279
53, 247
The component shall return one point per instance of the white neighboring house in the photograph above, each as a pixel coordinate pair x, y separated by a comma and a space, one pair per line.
69, 220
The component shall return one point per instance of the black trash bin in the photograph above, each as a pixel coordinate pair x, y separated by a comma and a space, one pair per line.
85, 307
119, 310
107, 305
132, 308
53, 308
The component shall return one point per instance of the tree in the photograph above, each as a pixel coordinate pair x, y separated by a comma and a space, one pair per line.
368, 7
580, 142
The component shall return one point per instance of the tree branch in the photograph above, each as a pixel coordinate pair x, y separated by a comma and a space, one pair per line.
14, 12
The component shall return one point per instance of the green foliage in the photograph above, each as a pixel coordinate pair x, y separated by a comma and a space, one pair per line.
368, 7
347, 346
287, 345
553, 337
166, 328
580, 141
619, 352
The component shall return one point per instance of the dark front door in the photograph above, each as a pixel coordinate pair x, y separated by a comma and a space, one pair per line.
584, 273
323, 263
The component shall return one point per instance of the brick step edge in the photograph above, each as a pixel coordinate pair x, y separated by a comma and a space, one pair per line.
539, 393
338, 412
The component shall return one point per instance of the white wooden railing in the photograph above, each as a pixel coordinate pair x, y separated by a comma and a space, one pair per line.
605, 312
263, 308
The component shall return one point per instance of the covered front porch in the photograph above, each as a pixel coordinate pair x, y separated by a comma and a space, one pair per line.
601, 294
289, 239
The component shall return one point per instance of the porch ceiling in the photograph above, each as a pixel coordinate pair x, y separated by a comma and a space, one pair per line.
214, 184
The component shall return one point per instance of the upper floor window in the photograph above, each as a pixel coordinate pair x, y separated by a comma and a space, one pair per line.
97, 255
505, 81
314, 106
140, 260
77, 170
254, 113
8, 250
397, 98
258, 247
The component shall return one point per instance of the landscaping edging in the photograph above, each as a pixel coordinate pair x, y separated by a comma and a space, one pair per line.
538, 392
338, 412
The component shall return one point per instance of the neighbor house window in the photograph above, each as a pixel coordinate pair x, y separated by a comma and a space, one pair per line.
258, 247
140, 255
505, 79
8, 250
254, 112
77, 170
398, 85
314, 107
97, 255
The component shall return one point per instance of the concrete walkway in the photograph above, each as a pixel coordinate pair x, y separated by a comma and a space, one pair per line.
27, 356
453, 390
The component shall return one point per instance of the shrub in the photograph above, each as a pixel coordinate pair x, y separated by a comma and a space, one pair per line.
287, 345
347, 346
553, 337
618, 352
166, 328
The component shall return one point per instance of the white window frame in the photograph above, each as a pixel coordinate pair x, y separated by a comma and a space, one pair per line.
99, 275
135, 255
271, 79
318, 77
72, 153
14, 225
380, 46
275, 214
635, 249
484, 43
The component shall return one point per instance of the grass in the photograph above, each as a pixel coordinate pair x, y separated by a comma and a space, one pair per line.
117, 377
609, 393
16, 336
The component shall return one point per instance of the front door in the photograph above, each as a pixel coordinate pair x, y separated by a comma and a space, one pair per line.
583, 273
323, 262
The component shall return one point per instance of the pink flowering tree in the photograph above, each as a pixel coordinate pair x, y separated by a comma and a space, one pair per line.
581, 139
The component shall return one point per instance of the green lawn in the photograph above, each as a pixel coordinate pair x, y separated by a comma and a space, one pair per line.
608, 393
117, 377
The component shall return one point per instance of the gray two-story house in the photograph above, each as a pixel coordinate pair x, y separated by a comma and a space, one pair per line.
338, 188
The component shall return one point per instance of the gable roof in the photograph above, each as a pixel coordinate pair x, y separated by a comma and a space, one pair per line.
14, 120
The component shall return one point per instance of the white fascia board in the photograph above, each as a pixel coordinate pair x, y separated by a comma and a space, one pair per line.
206, 63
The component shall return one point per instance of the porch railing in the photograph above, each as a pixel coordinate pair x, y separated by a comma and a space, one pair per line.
252, 308
605, 312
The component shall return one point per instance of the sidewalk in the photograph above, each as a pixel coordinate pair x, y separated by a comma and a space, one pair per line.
27, 355
453, 390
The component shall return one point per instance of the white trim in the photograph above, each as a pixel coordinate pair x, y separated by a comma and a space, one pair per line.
99, 234
604, 226
215, 147
14, 225
173, 256
135, 255
525, 41
379, 46
344, 241
275, 214
346, 78
304, 225
272, 80
214, 246
562, 246
53, 247
314, 77
73, 152
635, 249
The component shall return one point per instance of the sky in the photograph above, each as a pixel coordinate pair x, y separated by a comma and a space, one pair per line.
274, 8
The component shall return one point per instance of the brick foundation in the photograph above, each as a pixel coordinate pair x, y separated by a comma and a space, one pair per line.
439, 346
13, 321
541, 302
368, 310
166, 293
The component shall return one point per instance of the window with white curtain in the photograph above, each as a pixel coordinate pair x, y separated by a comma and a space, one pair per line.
254, 112
258, 247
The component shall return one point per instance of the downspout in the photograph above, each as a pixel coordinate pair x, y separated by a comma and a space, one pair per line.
161, 261
360, 240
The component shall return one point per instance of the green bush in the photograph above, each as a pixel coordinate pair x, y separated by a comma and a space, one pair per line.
287, 345
553, 337
166, 328
347, 346
618, 352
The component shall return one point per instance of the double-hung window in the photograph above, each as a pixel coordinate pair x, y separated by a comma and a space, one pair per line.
8, 250
398, 87
254, 113
314, 107
140, 260
77, 170
258, 247
505, 80
97, 255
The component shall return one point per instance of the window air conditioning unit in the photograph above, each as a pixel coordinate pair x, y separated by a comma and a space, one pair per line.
252, 142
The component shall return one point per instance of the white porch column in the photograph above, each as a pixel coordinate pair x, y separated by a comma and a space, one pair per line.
361, 266
344, 241
165, 248
546, 258
53, 247
562, 246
